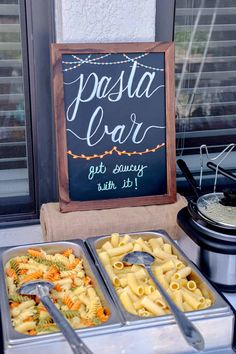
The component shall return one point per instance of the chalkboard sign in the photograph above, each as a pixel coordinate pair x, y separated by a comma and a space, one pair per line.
114, 111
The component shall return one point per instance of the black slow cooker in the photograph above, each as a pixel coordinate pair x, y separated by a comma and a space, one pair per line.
213, 249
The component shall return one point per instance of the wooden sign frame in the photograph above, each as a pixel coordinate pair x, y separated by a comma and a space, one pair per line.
57, 50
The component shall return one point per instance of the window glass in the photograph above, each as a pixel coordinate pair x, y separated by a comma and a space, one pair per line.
27, 151
14, 118
205, 37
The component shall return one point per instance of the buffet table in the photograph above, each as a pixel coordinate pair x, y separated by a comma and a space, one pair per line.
144, 337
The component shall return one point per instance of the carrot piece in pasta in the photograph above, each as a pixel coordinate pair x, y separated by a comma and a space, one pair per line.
32, 332
67, 301
52, 274
73, 277
42, 308
87, 280
103, 314
104, 318
86, 322
67, 252
45, 325
71, 266
23, 271
74, 264
35, 253
32, 276
28, 319
56, 277
14, 304
51, 277
55, 269
76, 305
100, 312
58, 287
37, 299
22, 261
11, 273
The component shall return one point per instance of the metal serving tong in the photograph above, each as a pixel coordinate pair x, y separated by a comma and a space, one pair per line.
188, 330
220, 158
41, 289
221, 170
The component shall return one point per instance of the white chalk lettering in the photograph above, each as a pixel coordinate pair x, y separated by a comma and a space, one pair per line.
104, 82
95, 129
118, 134
106, 186
127, 183
99, 169
129, 168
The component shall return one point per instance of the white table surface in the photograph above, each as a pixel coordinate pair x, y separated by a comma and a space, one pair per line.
33, 234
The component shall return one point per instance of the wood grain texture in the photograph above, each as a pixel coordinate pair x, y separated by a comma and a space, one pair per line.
57, 50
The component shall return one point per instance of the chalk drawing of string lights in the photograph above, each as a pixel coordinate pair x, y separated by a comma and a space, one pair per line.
96, 61
115, 150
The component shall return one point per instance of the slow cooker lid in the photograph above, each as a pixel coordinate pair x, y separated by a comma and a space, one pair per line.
220, 241
211, 207
196, 215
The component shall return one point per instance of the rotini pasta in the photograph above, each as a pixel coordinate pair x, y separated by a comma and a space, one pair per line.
73, 293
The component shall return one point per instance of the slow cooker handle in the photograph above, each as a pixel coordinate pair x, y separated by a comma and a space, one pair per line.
229, 197
189, 177
221, 170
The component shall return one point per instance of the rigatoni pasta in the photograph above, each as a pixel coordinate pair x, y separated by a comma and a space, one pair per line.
136, 290
73, 293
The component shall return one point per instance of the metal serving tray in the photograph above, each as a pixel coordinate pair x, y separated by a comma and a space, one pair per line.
215, 323
13, 339
138, 337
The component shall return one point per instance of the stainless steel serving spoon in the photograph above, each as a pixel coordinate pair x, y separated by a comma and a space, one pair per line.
41, 289
189, 331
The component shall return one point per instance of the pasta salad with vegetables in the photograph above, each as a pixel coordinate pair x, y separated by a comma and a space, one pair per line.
73, 293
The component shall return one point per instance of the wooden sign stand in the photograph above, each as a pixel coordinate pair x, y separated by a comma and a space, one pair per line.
115, 124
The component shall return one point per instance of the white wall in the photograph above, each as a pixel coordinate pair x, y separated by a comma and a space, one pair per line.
93, 21
105, 20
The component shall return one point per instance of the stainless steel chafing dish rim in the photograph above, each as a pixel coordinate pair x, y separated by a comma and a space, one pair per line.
219, 307
58, 336
12, 336
133, 326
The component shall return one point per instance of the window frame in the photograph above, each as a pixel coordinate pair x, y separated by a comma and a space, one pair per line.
39, 22
38, 31
165, 31
193, 160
